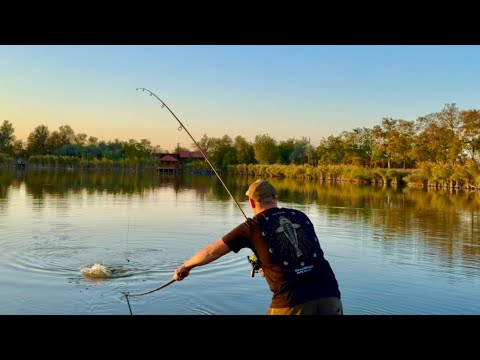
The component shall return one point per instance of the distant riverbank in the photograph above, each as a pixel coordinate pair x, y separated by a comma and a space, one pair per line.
427, 175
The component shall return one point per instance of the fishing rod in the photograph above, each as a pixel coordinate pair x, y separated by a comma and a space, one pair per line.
148, 292
182, 127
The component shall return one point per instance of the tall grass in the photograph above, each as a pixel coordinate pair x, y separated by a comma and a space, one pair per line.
332, 173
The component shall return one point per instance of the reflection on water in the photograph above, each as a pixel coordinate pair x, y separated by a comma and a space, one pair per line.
395, 250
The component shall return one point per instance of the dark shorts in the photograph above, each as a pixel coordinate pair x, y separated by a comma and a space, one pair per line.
322, 306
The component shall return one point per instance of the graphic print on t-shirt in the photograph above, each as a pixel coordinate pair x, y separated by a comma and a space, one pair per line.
288, 229
291, 239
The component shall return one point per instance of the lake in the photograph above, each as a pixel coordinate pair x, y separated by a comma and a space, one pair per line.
394, 250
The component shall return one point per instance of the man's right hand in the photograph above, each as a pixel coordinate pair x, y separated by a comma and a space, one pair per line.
181, 273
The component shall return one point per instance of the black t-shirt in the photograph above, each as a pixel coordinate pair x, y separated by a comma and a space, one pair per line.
290, 255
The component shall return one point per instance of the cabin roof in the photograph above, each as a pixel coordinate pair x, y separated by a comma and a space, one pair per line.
191, 154
168, 158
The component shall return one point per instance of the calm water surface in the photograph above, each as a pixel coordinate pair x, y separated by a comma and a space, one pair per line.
394, 251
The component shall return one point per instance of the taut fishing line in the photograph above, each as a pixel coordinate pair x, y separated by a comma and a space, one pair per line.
126, 239
181, 127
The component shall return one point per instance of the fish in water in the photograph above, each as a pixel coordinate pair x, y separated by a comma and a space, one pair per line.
97, 271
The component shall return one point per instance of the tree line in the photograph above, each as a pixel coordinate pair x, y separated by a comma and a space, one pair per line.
451, 135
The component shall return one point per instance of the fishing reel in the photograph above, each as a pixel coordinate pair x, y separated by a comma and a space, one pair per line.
253, 260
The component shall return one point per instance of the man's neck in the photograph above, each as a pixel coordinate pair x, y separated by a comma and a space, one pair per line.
261, 207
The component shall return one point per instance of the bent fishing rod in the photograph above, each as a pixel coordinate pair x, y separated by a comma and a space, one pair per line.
182, 127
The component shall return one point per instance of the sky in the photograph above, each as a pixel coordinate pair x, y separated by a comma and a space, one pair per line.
284, 91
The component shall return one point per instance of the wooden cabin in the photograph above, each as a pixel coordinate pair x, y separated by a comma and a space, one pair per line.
168, 164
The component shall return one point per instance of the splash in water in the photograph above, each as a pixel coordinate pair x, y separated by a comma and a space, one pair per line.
97, 271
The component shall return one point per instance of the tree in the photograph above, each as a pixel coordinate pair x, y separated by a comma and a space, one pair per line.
358, 146
285, 149
18, 148
144, 148
54, 141
449, 119
37, 141
404, 143
428, 145
92, 140
470, 120
383, 135
266, 149
158, 149
439, 136
67, 135
311, 154
298, 155
178, 149
63, 137
205, 144
393, 141
130, 149
80, 139
222, 152
331, 150
7, 138
244, 150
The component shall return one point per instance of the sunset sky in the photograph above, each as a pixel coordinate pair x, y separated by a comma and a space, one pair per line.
289, 91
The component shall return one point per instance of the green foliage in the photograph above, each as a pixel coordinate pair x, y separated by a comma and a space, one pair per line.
244, 151
446, 140
361, 174
6, 159
350, 173
266, 149
445, 174
37, 141
197, 166
7, 139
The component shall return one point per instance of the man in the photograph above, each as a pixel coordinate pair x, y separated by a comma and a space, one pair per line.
289, 252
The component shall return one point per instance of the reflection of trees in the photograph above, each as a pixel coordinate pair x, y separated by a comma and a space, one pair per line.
439, 223
9, 179
62, 183
447, 224
455, 216
6, 180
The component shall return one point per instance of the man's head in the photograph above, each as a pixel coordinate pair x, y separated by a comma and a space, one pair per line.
261, 191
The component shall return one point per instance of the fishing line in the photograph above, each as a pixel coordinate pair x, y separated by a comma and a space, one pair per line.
126, 240
181, 127
126, 257
128, 302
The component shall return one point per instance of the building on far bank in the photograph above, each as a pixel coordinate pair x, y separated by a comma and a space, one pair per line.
174, 162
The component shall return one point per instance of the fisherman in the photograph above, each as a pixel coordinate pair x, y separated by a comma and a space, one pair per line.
289, 254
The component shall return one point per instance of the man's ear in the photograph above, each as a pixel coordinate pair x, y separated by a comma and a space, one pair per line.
252, 203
